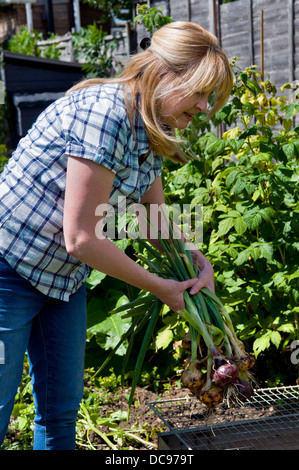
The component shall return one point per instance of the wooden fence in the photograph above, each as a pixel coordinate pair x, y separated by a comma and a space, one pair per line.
258, 32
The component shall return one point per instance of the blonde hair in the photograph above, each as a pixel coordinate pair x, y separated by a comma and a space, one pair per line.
182, 56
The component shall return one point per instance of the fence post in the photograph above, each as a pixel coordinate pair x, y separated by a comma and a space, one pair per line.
291, 40
213, 17
188, 10
251, 47
262, 44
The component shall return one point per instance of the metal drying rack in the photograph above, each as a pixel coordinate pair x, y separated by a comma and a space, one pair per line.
268, 420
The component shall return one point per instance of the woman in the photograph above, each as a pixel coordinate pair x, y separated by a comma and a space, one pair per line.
104, 139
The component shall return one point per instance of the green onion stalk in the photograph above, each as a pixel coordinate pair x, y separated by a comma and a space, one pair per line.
226, 361
217, 368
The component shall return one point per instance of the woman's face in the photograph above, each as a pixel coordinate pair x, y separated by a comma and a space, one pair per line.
178, 109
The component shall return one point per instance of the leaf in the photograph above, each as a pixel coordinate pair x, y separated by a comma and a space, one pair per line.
240, 184
240, 225
216, 148
94, 279
279, 279
216, 163
119, 415
231, 177
255, 251
242, 258
224, 226
289, 109
202, 196
262, 343
289, 150
252, 219
267, 213
109, 331
164, 337
266, 251
235, 144
251, 131
243, 77
286, 328
275, 338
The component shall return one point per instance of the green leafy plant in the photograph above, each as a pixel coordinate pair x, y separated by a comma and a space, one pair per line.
110, 428
151, 17
25, 42
91, 47
247, 182
51, 51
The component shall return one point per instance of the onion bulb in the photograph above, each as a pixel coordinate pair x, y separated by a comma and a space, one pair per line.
193, 380
211, 396
225, 374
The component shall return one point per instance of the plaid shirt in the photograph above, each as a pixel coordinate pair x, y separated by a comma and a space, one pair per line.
91, 123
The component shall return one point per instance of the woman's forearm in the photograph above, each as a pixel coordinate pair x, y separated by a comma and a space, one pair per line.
106, 257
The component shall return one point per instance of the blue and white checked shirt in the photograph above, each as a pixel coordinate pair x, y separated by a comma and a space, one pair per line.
91, 123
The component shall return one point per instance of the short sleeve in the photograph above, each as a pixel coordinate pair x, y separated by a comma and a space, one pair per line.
97, 132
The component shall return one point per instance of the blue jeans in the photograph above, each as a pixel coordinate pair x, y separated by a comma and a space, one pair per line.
54, 333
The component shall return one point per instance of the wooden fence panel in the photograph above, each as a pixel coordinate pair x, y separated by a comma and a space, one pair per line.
240, 31
179, 10
275, 36
235, 31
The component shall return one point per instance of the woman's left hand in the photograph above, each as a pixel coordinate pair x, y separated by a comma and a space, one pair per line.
205, 274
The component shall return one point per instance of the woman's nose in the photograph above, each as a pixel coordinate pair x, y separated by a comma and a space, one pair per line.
202, 104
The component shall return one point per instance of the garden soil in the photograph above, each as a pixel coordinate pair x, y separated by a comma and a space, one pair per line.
141, 416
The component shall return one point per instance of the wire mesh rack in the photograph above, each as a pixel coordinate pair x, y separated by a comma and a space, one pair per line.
268, 420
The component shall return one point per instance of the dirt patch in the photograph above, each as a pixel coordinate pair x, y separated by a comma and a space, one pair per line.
143, 423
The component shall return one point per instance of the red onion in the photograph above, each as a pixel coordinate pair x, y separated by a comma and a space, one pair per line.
225, 374
244, 389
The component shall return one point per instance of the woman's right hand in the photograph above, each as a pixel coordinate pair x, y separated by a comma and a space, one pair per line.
171, 292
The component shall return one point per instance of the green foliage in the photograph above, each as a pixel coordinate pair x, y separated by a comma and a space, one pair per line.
51, 51
3, 156
90, 46
97, 394
151, 17
26, 42
107, 329
247, 182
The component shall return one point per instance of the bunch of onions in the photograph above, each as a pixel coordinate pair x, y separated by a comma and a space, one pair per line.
219, 367
220, 370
